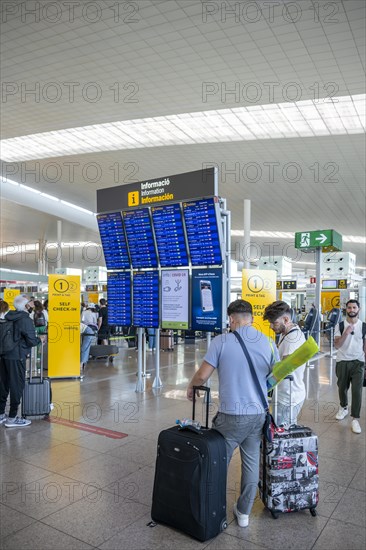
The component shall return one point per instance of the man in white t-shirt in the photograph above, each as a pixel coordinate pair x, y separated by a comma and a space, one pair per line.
350, 344
291, 337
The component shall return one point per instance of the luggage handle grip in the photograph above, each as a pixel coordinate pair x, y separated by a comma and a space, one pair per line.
190, 428
207, 390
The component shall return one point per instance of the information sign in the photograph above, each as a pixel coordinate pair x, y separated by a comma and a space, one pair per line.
9, 295
207, 299
289, 285
64, 325
146, 299
174, 299
202, 232
119, 298
259, 288
140, 238
113, 240
169, 233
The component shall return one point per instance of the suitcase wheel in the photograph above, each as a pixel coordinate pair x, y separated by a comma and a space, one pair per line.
313, 512
274, 515
223, 525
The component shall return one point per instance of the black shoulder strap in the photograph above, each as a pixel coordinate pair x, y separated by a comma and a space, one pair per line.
252, 370
289, 332
341, 328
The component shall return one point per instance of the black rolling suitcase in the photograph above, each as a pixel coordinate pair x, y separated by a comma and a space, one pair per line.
190, 480
289, 479
103, 350
37, 394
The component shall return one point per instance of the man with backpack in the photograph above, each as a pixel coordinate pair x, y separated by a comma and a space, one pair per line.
350, 342
20, 329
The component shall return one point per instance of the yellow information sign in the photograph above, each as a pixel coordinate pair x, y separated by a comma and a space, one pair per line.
63, 325
259, 288
9, 295
329, 300
93, 298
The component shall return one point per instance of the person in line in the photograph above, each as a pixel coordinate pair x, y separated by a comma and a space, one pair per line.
350, 363
241, 415
152, 339
12, 366
90, 317
103, 327
291, 338
86, 337
39, 315
4, 308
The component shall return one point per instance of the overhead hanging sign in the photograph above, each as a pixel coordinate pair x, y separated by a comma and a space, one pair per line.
179, 187
63, 325
326, 239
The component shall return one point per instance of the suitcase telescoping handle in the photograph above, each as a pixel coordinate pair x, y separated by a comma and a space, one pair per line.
290, 378
33, 362
207, 390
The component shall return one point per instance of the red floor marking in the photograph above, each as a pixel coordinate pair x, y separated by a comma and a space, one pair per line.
86, 427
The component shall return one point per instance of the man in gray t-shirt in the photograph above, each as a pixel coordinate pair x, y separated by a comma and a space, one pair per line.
241, 415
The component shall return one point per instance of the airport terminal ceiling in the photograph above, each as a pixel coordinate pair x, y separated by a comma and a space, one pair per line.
154, 71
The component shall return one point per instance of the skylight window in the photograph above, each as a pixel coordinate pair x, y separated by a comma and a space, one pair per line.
342, 115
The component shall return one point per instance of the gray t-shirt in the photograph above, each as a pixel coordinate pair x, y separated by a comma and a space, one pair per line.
238, 394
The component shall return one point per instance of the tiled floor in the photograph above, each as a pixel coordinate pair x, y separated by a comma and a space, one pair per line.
64, 488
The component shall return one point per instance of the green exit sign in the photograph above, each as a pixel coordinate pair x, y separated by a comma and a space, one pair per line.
326, 239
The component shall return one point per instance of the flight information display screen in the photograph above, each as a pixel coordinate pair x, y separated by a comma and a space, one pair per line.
140, 238
113, 240
119, 298
146, 299
169, 233
202, 232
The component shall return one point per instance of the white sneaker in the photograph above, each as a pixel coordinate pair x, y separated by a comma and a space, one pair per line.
3, 418
342, 413
16, 422
243, 519
355, 426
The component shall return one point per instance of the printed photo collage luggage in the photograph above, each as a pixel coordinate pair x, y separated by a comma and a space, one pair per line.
289, 471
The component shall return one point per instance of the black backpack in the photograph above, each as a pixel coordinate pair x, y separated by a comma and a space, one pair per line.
341, 329
9, 335
39, 319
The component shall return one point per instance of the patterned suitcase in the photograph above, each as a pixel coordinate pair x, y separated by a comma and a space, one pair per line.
289, 479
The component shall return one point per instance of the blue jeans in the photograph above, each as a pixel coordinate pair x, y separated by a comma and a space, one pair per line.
86, 340
152, 337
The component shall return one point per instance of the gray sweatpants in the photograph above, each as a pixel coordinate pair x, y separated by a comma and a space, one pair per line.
245, 432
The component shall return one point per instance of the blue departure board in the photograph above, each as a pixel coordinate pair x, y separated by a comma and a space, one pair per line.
202, 232
140, 238
146, 299
119, 298
113, 240
169, 233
